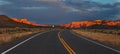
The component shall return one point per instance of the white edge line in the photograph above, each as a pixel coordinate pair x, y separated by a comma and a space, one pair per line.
95, 42
22, 42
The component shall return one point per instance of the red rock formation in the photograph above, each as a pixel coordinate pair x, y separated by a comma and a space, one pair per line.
15, 19
65, 25
24, 20
113, 23
98, 22
90, 23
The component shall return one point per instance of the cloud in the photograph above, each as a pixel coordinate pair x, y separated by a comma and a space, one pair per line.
95, 10
70, 9
34, 8
106, 1
93, 6
55, 12
48, 0
4, 2
74, 9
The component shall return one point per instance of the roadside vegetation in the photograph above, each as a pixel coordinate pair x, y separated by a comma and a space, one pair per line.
107, 36
9, 34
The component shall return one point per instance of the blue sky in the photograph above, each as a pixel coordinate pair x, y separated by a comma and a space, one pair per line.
61, 11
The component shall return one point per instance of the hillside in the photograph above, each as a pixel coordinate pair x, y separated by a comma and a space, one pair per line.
94, 24
5, 21
26, 21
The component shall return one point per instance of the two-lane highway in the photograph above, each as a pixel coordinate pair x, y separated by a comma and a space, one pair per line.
85, 46
46, 43
59, 42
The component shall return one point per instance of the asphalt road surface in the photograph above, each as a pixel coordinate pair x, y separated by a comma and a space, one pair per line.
58, 42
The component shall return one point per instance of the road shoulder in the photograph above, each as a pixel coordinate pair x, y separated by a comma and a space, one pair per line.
17, 41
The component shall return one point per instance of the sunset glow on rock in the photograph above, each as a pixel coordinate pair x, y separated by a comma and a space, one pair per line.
91, 23
26, 21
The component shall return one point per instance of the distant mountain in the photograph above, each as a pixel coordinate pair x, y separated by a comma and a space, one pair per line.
5, 22
95, 24
26, 21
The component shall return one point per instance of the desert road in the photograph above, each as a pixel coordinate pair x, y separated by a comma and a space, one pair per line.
59, 42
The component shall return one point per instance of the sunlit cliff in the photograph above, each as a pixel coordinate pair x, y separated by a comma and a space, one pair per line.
80, 24
26, 21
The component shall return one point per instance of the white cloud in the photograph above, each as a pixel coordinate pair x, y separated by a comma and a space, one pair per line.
49, 0
98, 9
4, 2
71, 9
31, 8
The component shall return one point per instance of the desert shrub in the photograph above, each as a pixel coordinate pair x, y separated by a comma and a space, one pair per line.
25, 30
110, 32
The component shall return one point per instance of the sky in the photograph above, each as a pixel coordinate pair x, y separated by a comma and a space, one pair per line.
61, 11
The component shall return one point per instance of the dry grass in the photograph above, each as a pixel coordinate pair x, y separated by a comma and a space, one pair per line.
10, 36
102, 37
5, 38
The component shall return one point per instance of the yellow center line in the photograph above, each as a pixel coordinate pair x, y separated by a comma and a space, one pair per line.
68, 48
